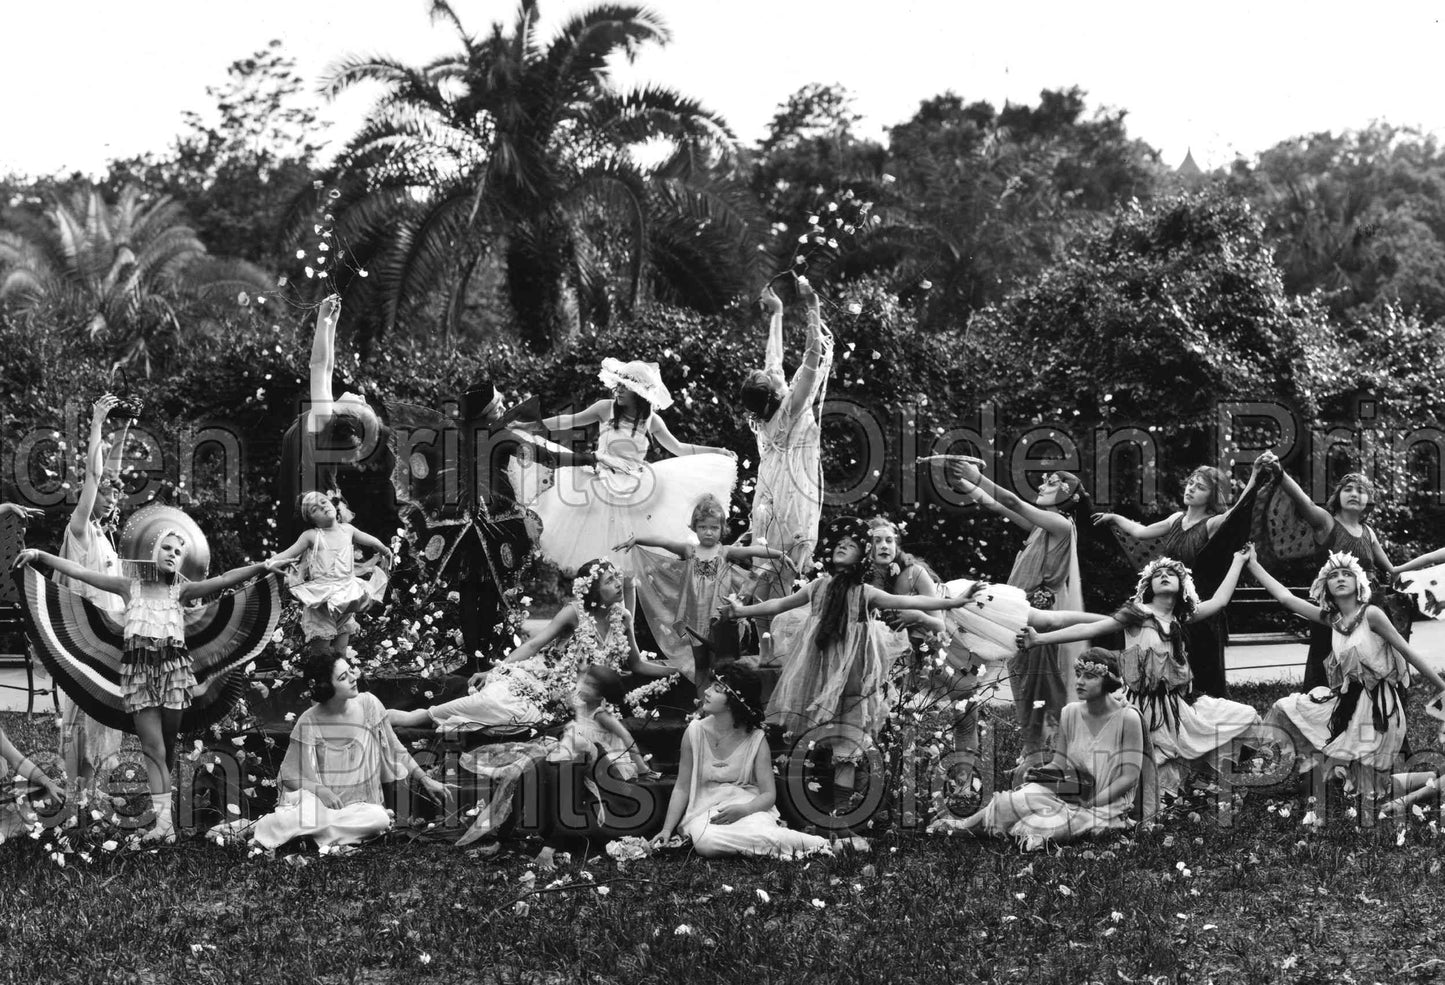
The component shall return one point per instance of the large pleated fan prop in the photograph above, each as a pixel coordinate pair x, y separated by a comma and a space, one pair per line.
82, 647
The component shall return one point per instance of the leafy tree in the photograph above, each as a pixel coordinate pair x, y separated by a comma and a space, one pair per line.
1149, 322
235, 174
517, 153
987, 197
1359, 216
131, 272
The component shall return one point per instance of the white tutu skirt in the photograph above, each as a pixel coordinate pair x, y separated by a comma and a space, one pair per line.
351, 593
587, 511
988, 626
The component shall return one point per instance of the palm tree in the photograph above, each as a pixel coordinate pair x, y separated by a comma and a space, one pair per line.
133, 269
520, 153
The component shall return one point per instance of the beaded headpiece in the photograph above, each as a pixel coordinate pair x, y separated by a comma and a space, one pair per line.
1340, 561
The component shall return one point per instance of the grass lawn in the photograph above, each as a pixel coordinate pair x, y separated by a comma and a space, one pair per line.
1261, 898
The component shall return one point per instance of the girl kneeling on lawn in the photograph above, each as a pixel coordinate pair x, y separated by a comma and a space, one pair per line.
342, 748
1089, 786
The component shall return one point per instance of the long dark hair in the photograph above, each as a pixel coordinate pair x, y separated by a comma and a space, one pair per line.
644, 412
833, 620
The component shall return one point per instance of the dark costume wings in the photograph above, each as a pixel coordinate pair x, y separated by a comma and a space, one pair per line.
81, 645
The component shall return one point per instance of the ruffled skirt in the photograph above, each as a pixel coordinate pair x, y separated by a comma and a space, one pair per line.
155, 674
587, 511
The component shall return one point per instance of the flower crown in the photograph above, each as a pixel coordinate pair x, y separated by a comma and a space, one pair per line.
1178, 568
1340, 561
731, 692
1093, 668
582, 584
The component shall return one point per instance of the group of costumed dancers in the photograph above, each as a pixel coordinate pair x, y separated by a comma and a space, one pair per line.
148, 644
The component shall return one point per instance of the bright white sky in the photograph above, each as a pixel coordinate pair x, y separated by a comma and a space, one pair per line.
87, 80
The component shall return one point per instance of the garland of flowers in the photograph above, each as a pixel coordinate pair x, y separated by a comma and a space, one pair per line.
651, 689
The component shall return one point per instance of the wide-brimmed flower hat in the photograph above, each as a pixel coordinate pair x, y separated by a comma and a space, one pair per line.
642, 378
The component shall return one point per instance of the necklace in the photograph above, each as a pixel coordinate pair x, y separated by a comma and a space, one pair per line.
714, 741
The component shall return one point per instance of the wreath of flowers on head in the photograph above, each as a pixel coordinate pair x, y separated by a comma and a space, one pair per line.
1179, 569
1340, 561
1093, 668
582, 584
754, 716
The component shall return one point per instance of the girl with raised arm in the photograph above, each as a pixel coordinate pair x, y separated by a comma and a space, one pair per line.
1155, 669
783, 414
1357, 723
1340, 528
1184, 536
680, 594
1047, 570
836, 675
587, 511
86, 744
156, 672
335, 437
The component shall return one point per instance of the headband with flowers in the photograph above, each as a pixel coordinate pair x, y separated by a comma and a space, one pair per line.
583, 583
1340, 561
1093, 668
730, 691
1179, 569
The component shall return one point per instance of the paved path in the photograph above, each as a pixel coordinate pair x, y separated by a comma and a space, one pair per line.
1270, 662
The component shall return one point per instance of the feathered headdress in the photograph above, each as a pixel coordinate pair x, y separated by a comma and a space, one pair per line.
1187, 593
1339, 561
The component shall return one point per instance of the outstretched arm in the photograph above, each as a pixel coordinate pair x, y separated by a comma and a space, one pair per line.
1026, 515
730, 609
1225, 592
1133, 527
303, 543
230, 579
1283, 595
107, 583
1381, 626
661, 543
1031, 637
923, 603
817, 358
595, 414
665, 438
1423, 561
